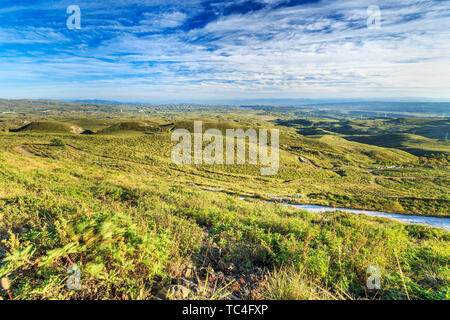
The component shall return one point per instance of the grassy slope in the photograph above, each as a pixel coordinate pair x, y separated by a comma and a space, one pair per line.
337, 171
414, 144
417, 136
46, 127
116, 206
132, 227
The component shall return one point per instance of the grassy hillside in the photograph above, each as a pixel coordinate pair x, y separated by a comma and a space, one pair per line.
140, 227
129, 127
413, 144
49, 127
134, 226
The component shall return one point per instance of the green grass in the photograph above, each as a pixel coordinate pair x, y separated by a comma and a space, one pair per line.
124, 239
113, 204
418, 136
129, 126
413, 144
45, 126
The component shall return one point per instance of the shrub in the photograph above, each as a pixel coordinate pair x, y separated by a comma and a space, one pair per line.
57, 143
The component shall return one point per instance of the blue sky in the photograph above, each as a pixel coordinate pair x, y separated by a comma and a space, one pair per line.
162, 51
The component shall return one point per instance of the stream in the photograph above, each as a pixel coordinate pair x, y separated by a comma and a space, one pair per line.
442, 223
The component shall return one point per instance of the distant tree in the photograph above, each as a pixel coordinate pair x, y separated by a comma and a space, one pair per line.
57, 143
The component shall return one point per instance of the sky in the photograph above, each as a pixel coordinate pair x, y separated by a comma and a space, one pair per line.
202, 50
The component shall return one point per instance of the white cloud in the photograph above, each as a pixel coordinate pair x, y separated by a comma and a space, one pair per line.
164, 20
311, 51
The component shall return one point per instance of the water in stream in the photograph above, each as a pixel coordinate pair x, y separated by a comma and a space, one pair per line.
443, 223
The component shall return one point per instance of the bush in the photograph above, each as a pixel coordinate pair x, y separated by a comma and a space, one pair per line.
57, 143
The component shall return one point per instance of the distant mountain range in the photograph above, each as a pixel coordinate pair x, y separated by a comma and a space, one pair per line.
272, 102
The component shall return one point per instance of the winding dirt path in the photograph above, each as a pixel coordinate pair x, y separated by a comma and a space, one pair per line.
22, 150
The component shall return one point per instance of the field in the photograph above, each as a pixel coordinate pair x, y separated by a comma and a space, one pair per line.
93, 185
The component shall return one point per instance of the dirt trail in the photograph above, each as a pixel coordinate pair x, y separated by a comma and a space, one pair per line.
22, 150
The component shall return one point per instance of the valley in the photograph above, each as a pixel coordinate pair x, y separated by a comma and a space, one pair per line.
94, 185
